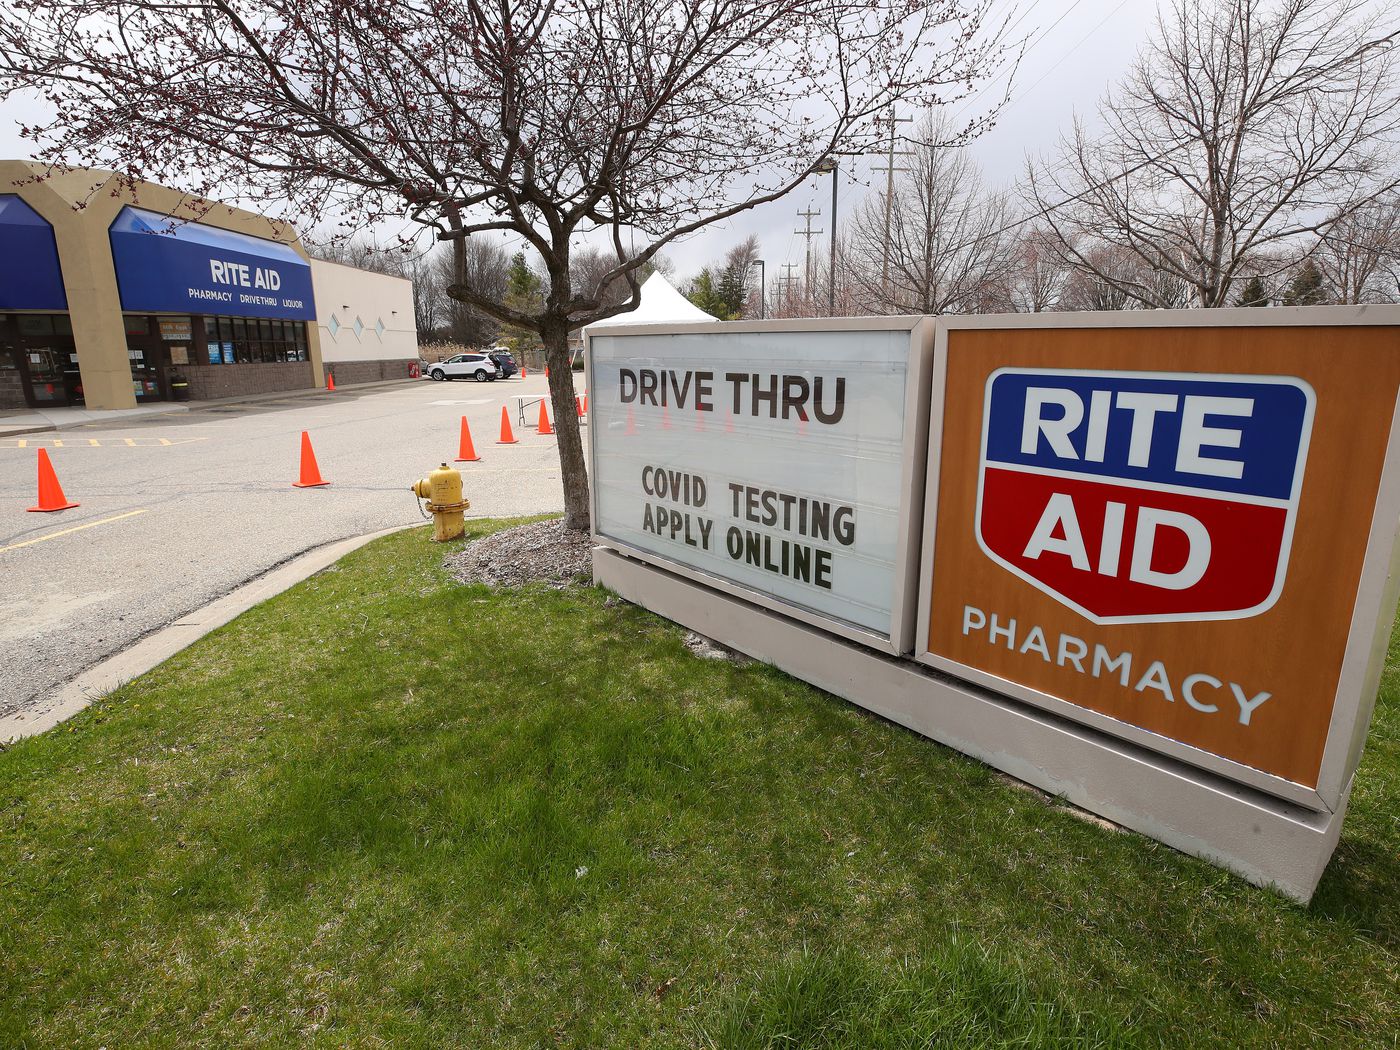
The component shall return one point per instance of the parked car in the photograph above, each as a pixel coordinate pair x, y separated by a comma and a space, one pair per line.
425, 370
505, 362
479, 366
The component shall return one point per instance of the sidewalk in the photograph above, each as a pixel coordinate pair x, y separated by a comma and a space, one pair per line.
33, 420
36, 420
152, 649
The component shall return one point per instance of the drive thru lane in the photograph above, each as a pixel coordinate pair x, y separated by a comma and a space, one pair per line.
178, 509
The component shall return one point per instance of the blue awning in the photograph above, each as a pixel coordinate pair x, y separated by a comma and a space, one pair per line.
30, 278
166, 266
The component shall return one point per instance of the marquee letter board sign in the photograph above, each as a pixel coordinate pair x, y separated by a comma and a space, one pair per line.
779, 461
1163, 532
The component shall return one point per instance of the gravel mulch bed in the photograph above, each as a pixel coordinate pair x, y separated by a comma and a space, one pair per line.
541, 552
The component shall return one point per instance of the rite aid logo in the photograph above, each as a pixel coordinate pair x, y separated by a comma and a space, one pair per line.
1141, 497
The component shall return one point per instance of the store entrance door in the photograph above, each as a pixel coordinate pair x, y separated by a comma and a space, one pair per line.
42, 347
146, 353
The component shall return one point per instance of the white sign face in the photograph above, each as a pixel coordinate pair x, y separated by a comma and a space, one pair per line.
771, 460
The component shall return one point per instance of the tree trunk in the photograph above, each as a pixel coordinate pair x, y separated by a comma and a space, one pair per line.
572, 463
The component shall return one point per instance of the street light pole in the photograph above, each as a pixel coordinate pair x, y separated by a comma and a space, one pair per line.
831, 283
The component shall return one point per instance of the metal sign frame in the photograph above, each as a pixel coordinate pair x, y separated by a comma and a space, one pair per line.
914, 441
1372, 612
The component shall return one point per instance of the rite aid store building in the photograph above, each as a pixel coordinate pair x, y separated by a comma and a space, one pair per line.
105, 299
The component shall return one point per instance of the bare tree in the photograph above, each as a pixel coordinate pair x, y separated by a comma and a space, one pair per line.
428, 295
1099, 284
638, 122
947, 245
1036, 280
589, 267
1357, 252
483, 263
421, 268
1243, 124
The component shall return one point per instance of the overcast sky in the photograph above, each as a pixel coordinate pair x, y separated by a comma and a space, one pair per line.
1077, 49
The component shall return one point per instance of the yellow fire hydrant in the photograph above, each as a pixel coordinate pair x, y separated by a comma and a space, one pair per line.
443, 491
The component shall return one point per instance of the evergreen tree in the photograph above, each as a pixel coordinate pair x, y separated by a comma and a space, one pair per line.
706, 293
1254, 293
733, 292
1306, 287
525, 293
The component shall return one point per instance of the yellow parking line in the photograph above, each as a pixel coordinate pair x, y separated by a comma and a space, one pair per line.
94, 443
130, 441
75, 528
22, 443
57, 443
165, 441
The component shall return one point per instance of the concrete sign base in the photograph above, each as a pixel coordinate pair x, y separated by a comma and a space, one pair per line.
1268, 842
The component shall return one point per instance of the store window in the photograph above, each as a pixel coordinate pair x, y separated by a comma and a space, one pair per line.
177, 333
250, 340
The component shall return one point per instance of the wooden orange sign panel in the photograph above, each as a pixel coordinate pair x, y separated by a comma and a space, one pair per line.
1165, 526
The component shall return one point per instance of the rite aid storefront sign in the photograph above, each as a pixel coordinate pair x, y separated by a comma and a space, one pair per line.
165, 266
1147, 557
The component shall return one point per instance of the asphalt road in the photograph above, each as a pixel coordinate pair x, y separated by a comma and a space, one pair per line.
182, 508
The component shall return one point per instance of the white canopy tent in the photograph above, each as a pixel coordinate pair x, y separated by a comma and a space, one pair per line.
659, 303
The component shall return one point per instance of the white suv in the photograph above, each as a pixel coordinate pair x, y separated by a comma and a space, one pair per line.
478, 366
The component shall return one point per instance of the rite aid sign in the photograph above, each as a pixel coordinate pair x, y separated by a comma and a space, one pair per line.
1153, 557
1133, 497
1160, 527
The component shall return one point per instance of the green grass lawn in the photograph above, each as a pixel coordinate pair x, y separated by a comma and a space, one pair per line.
384, 809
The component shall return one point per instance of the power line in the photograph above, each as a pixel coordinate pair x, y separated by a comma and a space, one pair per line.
1035, 39
1060, 204
1122, 4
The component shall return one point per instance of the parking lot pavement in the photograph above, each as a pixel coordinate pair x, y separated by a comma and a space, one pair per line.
178, 509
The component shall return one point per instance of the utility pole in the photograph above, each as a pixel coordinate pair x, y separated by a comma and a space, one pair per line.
808, 233
762, 289
785, 281
889, 169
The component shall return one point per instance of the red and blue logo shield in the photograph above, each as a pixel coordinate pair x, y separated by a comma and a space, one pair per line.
1143, 497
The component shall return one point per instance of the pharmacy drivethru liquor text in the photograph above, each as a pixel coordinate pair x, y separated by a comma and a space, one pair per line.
1145, 558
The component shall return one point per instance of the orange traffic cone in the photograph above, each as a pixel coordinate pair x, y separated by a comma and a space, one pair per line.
631, 422
585, 402
466, 451
546, 371
545, 428
578, 406
524, 372
51, 495
310, 473
330, 383
507, 435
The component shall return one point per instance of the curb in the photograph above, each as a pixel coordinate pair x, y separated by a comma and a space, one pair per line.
170, 408
309, 392
155, 648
